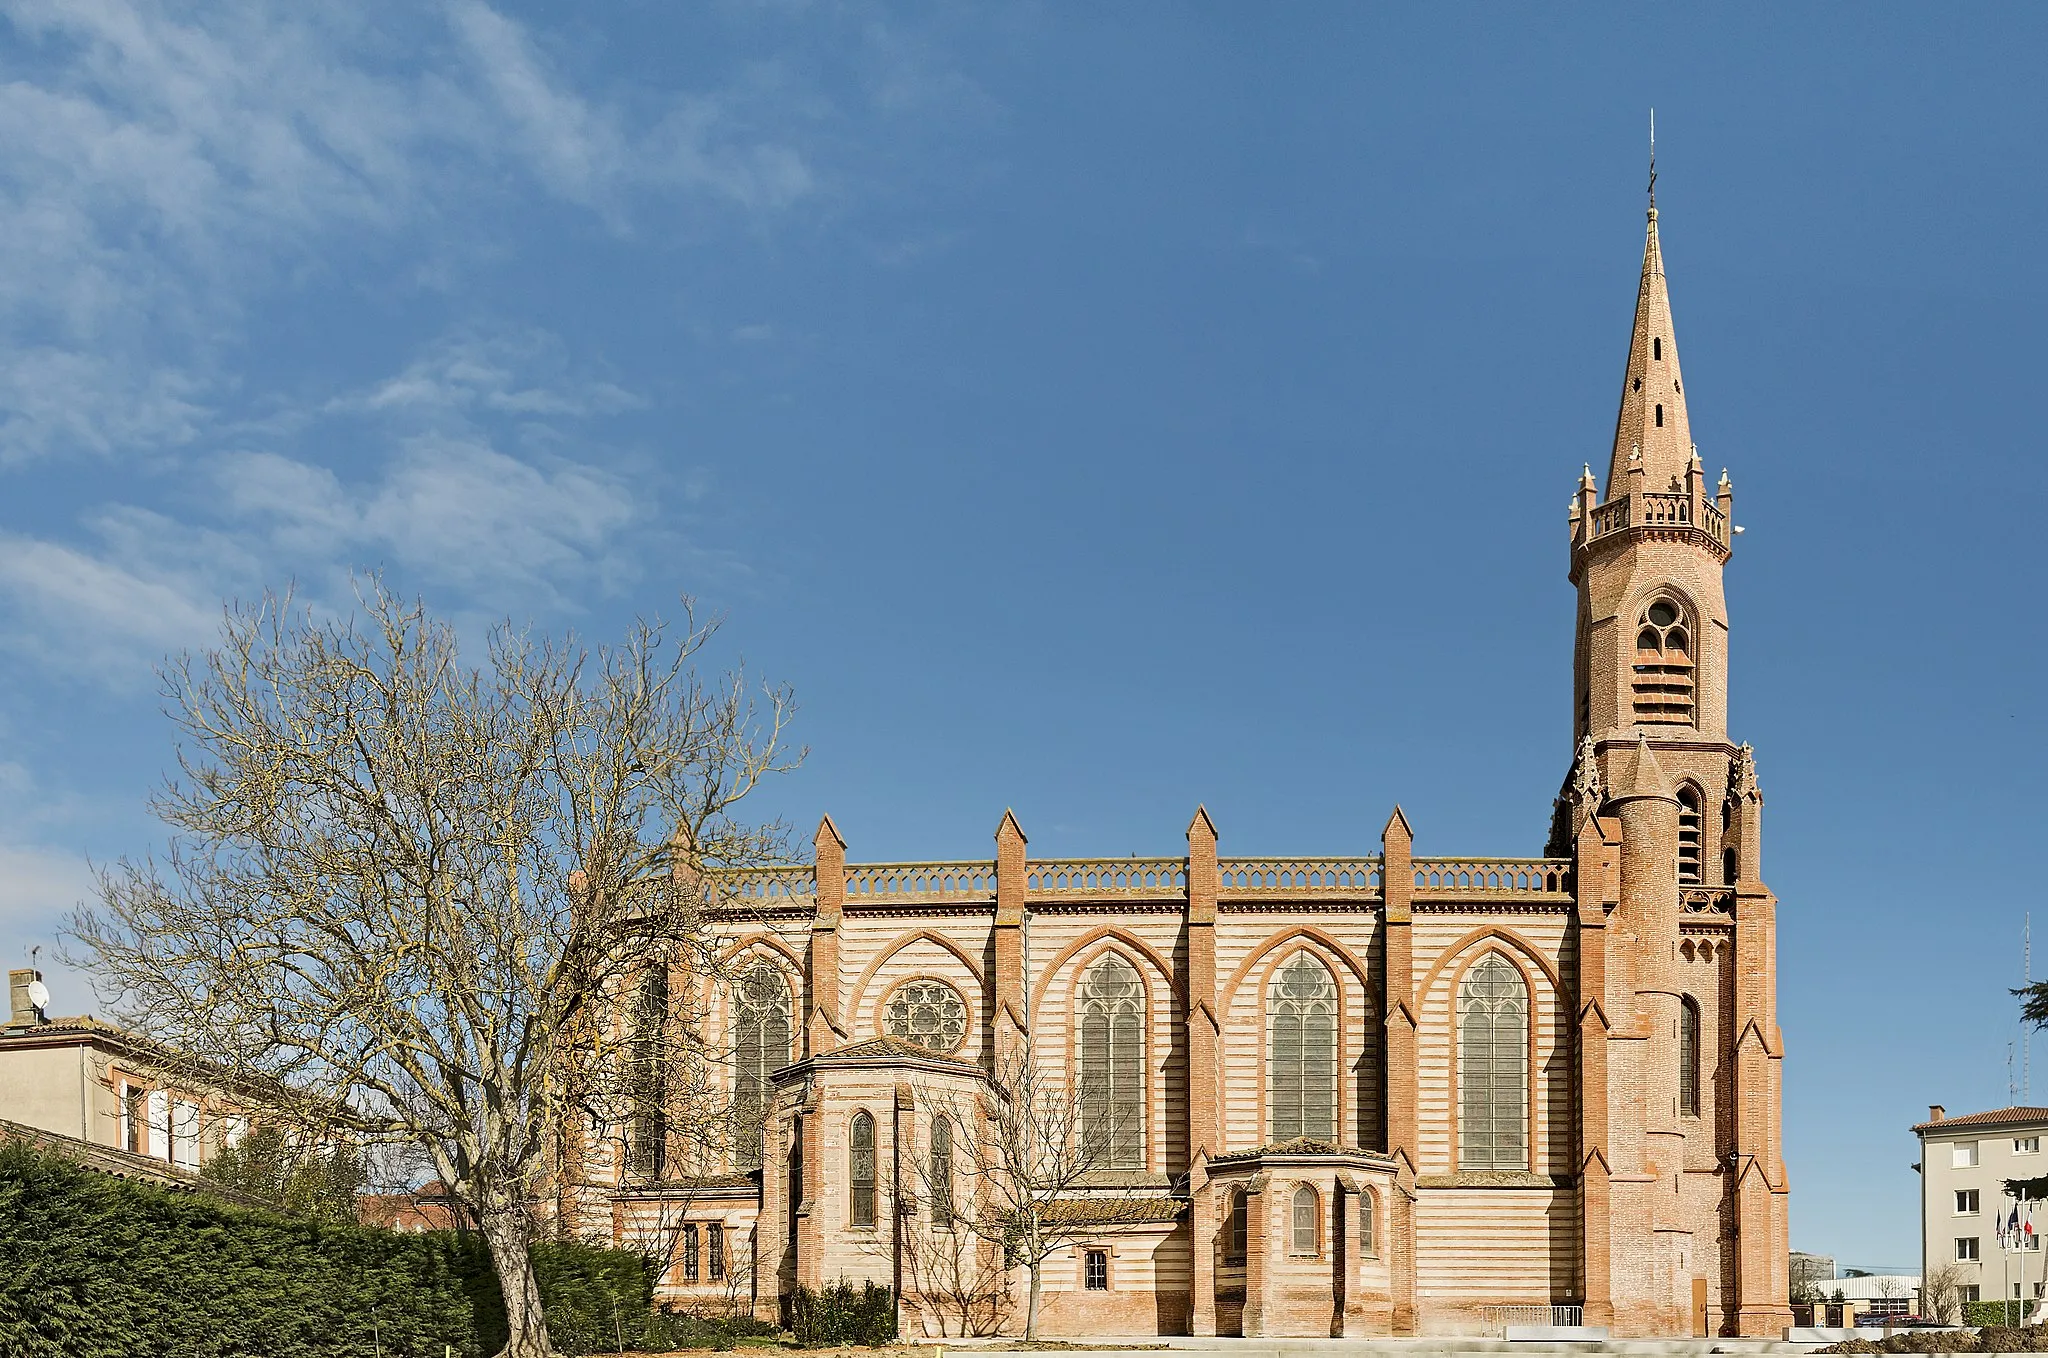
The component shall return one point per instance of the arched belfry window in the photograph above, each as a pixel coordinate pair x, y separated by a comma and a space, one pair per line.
1113, 1064
762, 1027
1301, 1067
1692, 826
1493, 1067
860, 1154
1665, 651
649, 1054
1689, 1057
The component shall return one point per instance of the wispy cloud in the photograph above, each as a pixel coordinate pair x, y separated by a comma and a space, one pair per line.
161, 169
518, 373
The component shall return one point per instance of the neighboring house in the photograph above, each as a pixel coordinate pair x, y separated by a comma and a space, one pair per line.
1367, 1093
93, 1082
1964, 1164
427, 1208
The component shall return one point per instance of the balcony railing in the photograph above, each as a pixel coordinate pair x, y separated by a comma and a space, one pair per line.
1292, 878
1658, 509
935, 883
1440, 878
1053, 879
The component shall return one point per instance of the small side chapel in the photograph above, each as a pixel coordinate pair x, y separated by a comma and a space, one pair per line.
1367, 1094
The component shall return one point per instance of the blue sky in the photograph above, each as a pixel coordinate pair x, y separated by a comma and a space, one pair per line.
1089, 410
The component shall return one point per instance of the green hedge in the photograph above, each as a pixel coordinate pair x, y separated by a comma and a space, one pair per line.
1996, 1312
92, 1266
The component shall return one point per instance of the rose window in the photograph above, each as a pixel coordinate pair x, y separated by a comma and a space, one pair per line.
929, 1013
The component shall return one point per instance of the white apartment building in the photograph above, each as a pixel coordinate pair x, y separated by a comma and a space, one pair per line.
1965, 1164
92, 1082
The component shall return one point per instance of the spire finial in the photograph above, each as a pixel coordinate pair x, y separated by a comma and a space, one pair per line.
1653, 162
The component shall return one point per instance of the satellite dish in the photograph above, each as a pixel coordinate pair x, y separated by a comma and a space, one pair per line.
39, 995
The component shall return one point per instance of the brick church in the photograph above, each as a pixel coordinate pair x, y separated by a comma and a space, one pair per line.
1364, 1094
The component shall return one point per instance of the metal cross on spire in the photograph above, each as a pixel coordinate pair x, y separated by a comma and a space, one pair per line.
1653, 157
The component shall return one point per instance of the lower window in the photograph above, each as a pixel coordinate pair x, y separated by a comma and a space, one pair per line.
1096, 1271
1966, 1247
1971, 1292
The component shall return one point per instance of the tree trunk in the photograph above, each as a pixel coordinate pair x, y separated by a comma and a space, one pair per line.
1031, 1305
526, 1331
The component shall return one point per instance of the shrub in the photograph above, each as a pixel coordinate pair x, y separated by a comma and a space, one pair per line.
92, 1266
837, 1315
2002, 1313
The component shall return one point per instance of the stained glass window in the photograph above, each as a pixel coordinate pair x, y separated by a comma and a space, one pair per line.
1493, 1067
1113, 1065
1301, 1072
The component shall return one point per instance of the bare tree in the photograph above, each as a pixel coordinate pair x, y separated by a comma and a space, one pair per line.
1941, 1293
1026, 1151
422, 890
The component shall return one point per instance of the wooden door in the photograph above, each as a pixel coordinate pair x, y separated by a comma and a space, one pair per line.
1699, 1308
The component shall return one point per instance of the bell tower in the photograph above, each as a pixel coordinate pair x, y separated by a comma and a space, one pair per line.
1692, 1053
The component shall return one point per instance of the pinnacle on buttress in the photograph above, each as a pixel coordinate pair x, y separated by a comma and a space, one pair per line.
1652, 430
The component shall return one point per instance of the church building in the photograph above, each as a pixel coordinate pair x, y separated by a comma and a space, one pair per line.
1369, 1094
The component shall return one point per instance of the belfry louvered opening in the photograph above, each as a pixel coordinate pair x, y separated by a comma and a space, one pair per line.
1663, 678
1692, 868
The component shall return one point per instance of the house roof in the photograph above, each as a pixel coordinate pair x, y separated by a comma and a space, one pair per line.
1298, 1146
1113, 1211
890, 1048
127, 1165
1997, 1117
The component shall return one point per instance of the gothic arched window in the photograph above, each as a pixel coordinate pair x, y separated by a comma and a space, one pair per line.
1689, 1057
762, 1027
1493, 1067
1113, 1065
648, 1139
1367, 1238
1301, 1069
1308, 1221
1692, 846
941, 1172
861, 1168
1234, 1223
1665, 651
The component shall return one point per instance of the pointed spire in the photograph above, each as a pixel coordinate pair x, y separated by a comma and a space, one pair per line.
1652, 424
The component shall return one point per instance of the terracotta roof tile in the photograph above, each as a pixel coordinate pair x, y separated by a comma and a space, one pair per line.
1995, 1118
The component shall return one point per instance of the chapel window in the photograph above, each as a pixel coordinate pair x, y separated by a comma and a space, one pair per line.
1301, 1072
1235, 1220
1113, 1065
941, 1172
762, 1026
648, 1136
1308, 1221
1367, 1239
861, 1168
715, 1235
1691, 837
690, 1252
1689, 1057
1663, 675
1493, 1067
929, 1013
